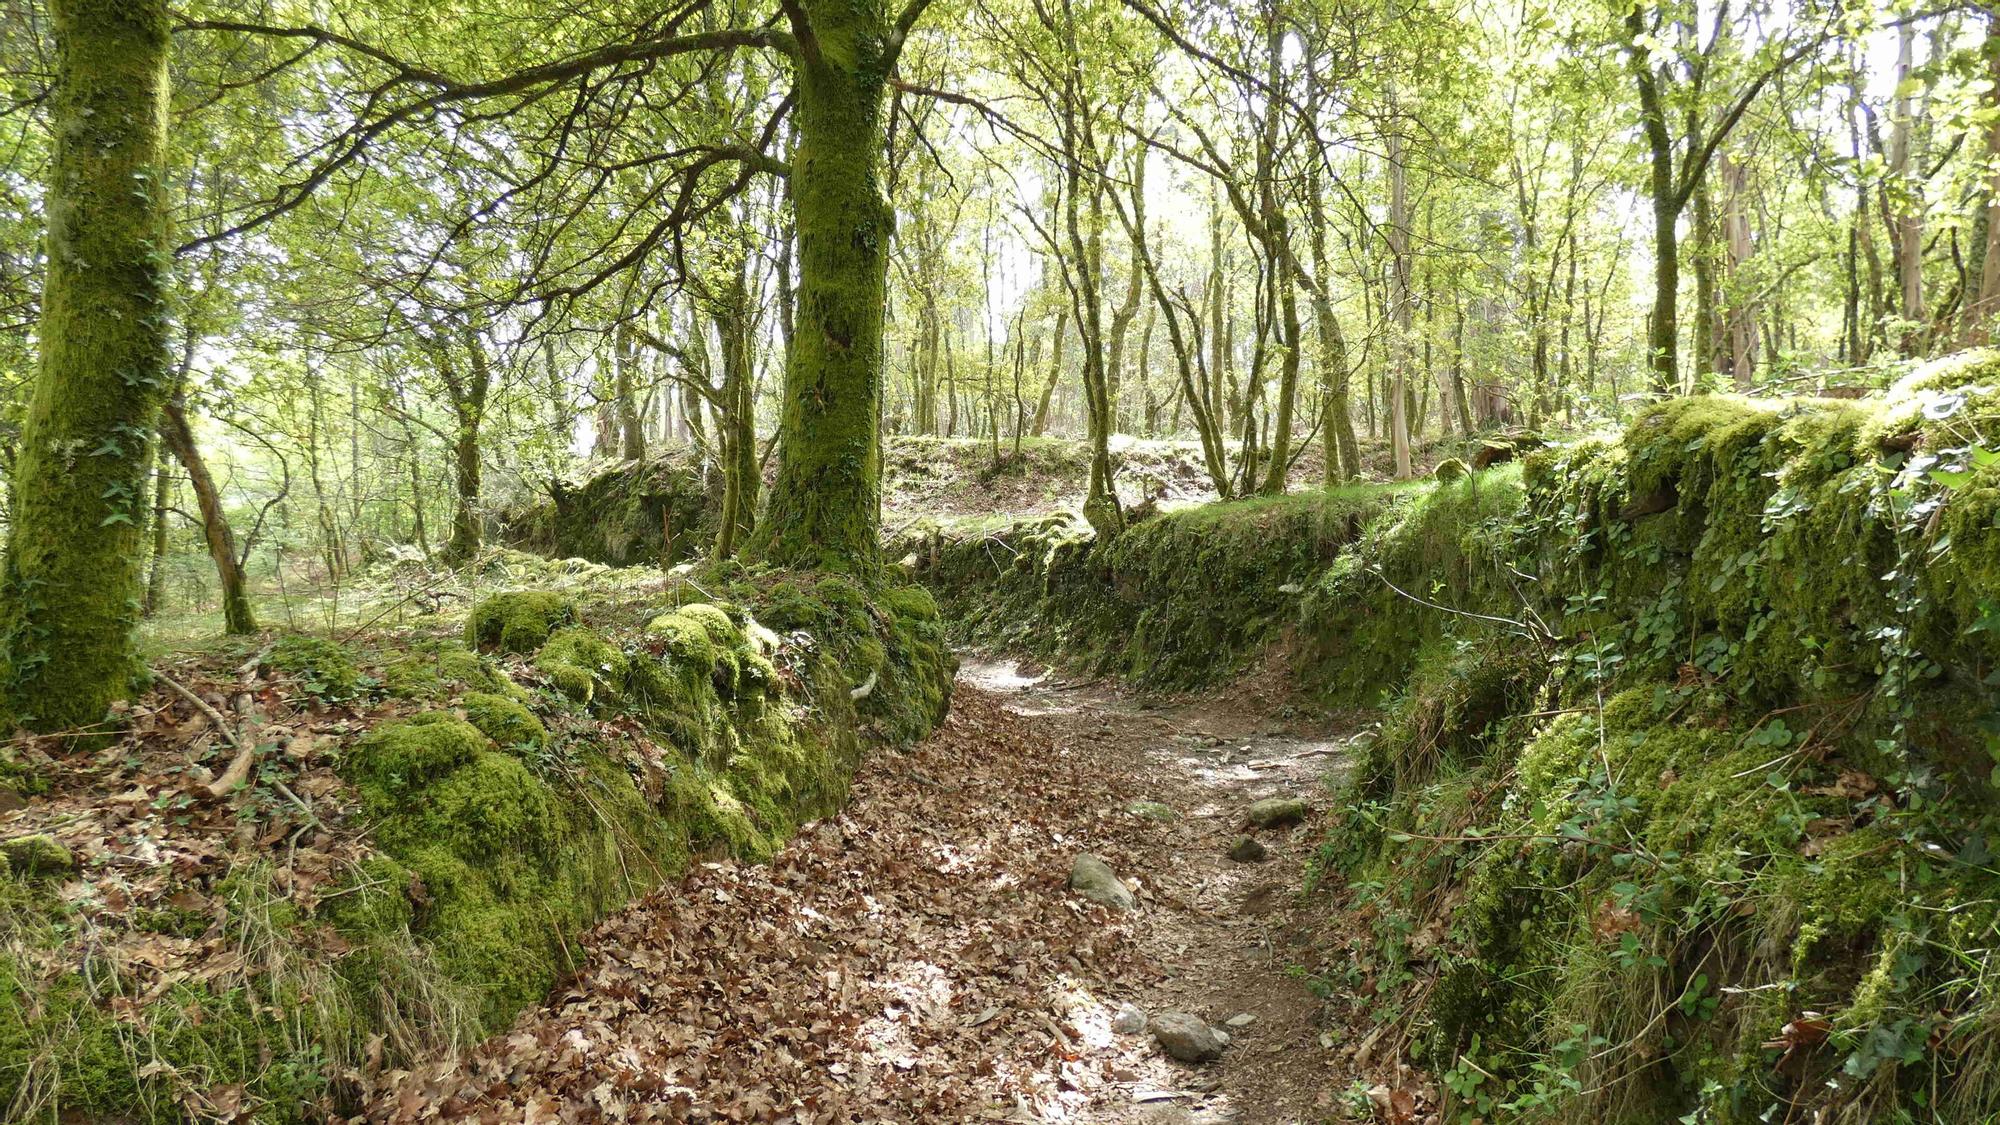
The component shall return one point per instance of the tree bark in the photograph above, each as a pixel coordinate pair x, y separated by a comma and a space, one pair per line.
71, 589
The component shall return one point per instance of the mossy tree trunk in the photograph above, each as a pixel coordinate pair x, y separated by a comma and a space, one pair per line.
72, 589
467, 389
737, 417
825, 508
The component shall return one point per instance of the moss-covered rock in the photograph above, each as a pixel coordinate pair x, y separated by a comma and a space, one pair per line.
518, 621
657, 511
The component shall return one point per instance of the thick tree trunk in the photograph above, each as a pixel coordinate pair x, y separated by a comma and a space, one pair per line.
469, 404
464, 541
825, 508
1705, 306
215, 531
71, 590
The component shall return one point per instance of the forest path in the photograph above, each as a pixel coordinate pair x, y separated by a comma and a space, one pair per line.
920, 958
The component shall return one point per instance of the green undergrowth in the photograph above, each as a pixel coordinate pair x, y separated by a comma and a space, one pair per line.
1682, 804
516, 798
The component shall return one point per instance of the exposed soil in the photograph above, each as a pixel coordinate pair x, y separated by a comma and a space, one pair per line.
919, 958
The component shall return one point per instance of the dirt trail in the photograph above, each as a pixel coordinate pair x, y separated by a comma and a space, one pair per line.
919, 958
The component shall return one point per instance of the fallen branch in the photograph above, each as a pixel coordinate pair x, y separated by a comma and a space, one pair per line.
865, 690
246, 752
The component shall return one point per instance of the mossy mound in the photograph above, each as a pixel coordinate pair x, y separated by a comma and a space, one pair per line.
323, 667
518, 621
582, 665
439, 669
504, 720
494, 839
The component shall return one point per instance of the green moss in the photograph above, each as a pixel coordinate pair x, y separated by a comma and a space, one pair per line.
324, 667
37, 856
374, 902
584, 666
504, 720
520, 621
438, 669
410, 754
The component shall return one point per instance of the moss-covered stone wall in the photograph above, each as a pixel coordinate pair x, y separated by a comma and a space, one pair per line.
565, 758
1683, 802
1177, 600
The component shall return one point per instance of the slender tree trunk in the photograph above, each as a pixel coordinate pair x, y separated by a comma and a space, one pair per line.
71, 589
237, 617
1055, 374
631, 430
1979, 314
1909, 213
156, 578
737, 425
1399, 308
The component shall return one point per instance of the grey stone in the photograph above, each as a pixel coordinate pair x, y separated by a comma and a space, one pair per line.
1187, 1038
1092, 878
1153, 810
1276, 812
1248, 850
1128, 1020
1240, 1020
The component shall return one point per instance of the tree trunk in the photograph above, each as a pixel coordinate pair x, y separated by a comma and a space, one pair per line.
469, 405
738, 424
156, 578
1979, 314
631, 430
1399, 309
1909, 214
71, 591
1663, 327
1055, 374
237, 618
825, 508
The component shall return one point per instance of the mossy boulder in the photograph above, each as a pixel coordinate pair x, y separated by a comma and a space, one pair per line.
519, 621
412, 753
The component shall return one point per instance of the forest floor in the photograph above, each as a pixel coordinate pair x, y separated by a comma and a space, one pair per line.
921, 958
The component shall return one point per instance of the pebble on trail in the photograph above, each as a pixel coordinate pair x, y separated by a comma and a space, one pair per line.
1092, 878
